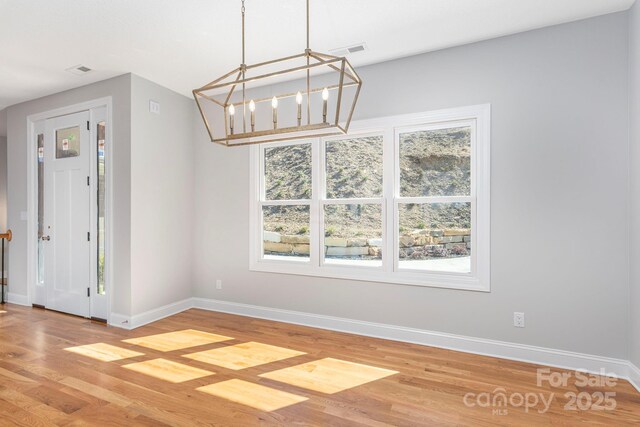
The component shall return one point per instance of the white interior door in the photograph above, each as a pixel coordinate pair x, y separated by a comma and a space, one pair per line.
67, 214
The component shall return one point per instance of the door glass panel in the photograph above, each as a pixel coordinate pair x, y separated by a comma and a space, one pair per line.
101, 205
68, 142
40, 208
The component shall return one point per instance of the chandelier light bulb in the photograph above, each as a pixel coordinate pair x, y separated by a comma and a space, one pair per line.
274, 104
299, 101
232, 111
252, 107
325, 97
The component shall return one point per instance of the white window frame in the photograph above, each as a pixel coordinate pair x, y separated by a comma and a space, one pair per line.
478, 116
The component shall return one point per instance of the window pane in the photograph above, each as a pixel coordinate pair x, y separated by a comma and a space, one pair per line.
353, 234
287, 172
68, 142
435, 162
286, 232
435, 237
40, 208
101, 206
354, 167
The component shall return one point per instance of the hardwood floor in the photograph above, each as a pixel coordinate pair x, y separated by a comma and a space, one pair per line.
219, 369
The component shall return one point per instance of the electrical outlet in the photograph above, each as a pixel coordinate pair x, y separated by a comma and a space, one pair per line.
218, 284
518, 320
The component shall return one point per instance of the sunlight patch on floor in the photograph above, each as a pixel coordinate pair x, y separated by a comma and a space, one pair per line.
177, 340
167, 370
104, 352
328, 375
245, 355
253, 395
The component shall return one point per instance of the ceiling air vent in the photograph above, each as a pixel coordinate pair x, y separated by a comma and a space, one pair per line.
344, 51
79, 70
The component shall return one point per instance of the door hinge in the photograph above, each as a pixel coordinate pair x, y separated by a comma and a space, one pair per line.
88, 292
87, 180
88, 127
88, 236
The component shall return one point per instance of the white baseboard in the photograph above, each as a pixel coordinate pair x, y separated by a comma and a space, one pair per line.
521, 352
18, 299
160, 312
120, 321
486, 347
135, 321
634, 376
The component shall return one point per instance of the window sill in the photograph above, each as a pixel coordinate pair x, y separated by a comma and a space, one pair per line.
373, 274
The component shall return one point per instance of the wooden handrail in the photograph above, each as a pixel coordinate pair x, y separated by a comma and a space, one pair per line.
8, 235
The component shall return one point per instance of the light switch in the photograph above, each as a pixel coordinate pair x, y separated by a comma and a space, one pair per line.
154, 107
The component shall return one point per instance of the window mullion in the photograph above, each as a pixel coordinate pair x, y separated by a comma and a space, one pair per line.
316, 222
303, 202
440, 199
389, 228
261, 173
363, 201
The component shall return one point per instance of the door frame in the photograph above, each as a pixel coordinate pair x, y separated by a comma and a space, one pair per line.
93, 107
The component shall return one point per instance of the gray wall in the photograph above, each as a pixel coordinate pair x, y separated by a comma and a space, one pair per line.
153, 190
120, 89
161, 196
559, 137
3, 123
634, 114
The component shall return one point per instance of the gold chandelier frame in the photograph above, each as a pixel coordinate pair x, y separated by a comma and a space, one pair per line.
220, 98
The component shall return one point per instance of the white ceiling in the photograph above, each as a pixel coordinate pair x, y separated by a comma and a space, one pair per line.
182, 44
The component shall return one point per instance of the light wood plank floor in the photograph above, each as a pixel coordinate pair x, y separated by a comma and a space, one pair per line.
59, 370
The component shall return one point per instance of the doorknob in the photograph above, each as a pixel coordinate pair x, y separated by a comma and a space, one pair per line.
47, 238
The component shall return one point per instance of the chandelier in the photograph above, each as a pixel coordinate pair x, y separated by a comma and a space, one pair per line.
317, 96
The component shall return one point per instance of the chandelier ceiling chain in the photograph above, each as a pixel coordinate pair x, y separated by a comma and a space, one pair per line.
217, 101
243, 67
242, 11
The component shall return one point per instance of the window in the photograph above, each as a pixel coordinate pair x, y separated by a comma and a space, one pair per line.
353, 201
434, 203
100, 141
40, 174
286, 202
401, 199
